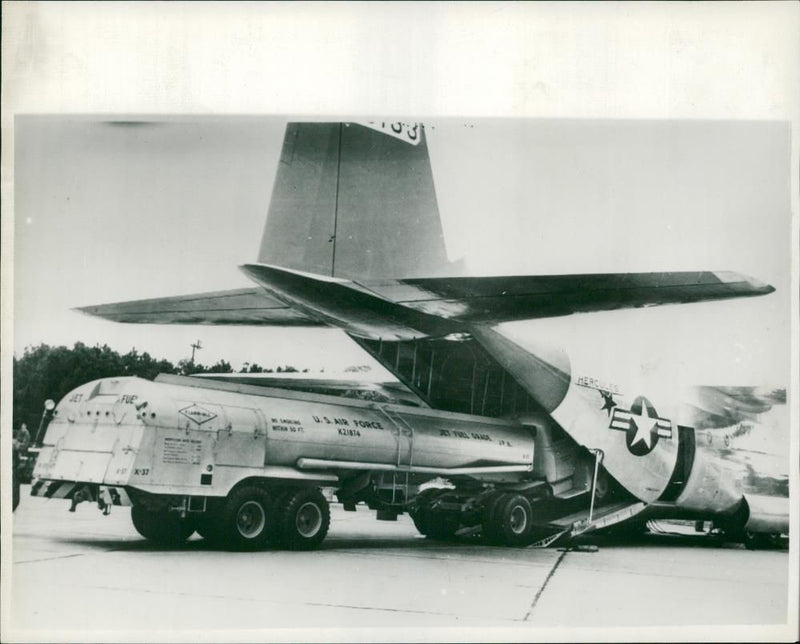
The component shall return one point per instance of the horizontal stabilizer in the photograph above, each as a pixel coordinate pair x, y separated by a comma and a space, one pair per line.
505, 299
250, 306
414, 308
403, 309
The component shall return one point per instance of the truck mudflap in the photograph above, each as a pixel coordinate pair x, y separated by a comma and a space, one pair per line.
104, 495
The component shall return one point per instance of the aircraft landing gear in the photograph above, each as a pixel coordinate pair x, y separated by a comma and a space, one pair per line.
761, 540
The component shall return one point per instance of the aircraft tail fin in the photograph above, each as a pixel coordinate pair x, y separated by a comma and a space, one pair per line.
355, 201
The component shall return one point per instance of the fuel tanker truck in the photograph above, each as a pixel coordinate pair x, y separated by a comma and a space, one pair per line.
246, 466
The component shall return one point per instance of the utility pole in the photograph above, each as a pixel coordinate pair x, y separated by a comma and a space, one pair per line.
195, 346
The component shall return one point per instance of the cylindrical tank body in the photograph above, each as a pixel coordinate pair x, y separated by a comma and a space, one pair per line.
178, 437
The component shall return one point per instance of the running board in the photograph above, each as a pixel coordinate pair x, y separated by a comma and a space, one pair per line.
605, 520
579, 522
576, 524
321, 463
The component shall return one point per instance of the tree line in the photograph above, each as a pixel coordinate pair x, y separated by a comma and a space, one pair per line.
44, 372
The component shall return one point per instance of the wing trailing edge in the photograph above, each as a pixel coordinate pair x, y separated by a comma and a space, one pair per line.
248, 306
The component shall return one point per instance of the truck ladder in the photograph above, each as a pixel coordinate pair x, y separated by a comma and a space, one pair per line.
403, 429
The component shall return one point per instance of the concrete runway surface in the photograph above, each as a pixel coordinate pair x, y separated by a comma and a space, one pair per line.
86, 572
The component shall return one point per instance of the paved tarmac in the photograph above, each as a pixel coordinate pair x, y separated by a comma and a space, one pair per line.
86, 572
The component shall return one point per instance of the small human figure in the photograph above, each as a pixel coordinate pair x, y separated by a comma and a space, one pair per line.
22, 439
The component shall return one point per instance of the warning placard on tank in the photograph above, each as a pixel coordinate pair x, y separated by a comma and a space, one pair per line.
182, 451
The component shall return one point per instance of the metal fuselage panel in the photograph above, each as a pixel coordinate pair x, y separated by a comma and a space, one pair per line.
639, 432
638, 443
744, 461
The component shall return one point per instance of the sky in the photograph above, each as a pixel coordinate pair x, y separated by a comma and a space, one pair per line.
127, 208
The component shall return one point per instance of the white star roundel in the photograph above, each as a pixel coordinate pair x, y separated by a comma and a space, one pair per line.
641, 425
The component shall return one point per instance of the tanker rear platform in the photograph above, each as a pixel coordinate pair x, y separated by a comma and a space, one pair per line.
93, 575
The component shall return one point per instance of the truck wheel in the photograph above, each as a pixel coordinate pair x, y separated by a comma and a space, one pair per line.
490, 521
303, 519
432, 522
161, 527
511, 521
208, 527
442, 525
436, 524
244, 522
421, 522
420, 512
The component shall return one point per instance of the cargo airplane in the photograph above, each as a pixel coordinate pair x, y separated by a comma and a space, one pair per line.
488, 435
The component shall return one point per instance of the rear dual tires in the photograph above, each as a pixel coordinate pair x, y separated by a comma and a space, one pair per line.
252, 518
161, 526
303, 519
508, 520
244, 522
249, 519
